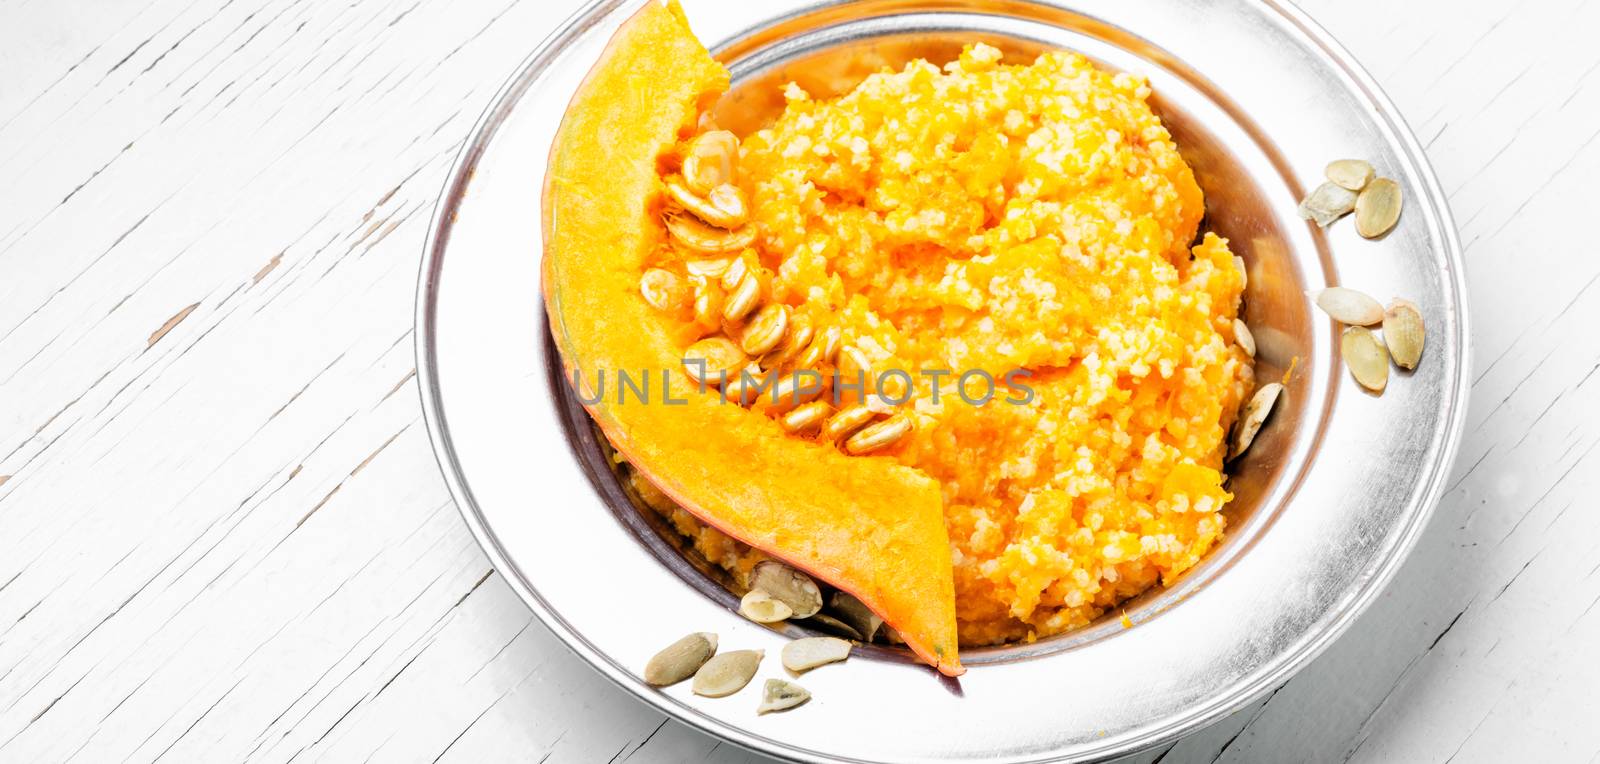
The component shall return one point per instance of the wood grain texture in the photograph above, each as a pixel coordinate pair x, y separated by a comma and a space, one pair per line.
222, 532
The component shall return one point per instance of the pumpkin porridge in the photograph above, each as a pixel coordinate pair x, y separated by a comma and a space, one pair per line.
1009, 250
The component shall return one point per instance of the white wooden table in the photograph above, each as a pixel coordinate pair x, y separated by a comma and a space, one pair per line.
223, 535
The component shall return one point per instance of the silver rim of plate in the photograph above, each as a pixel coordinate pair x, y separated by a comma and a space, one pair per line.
1334, 493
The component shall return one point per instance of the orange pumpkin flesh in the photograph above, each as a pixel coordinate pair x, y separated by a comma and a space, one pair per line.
867, 525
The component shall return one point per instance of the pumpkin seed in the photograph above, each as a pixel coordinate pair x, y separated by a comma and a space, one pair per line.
831, 625
1404, 332
1347, 306
708, 300
708, 361
727, 673
1254, 414
681, 659
700, 237
794, 388
1242, 335
1353, 174
1366, 356
1244, 273
881, 435
794, 343
745, 387
724, 208
1378, 208
735, 272
787, 585
849, 419
663, 290
805, 417
742, 299
1327, 203
760, 607
710, 160
805, 654
766, 330
856, 614
781, 695
821, 350
711, 268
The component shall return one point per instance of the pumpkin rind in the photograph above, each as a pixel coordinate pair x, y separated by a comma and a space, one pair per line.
867, 525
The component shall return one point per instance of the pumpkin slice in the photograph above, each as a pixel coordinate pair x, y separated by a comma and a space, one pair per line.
865, 524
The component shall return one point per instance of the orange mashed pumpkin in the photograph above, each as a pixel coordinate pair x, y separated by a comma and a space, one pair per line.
997, 217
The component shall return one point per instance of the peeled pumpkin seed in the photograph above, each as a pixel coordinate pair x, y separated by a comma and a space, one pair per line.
710, 160
806, 654
1327, 203
1366, 356
805, 417
1242, 335
724, 208
1347, 306
856, 614
1254, 414
1353, 174
781, 695
1378, 208
1404, 333
760, 607
663, 290
766, 329
881, 435
727, 673
849, 419
789, 586
681, 659
700, 237
707, 361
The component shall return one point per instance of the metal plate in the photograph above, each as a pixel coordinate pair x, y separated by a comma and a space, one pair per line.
1330, 499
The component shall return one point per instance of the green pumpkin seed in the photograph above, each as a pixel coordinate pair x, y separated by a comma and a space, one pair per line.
681, 659
781, 695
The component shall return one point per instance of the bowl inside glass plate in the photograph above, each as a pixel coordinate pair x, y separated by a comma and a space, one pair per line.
1328, 499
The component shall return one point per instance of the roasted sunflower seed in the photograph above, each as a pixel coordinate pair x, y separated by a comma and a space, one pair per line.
681, 659
1378, 208
727, 673
806, 654
760, 607
1255, 413
781, 695
1404, 333
1353, 174
1348, 306
1327, 203
787, 585
1242, 335
1366, 356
